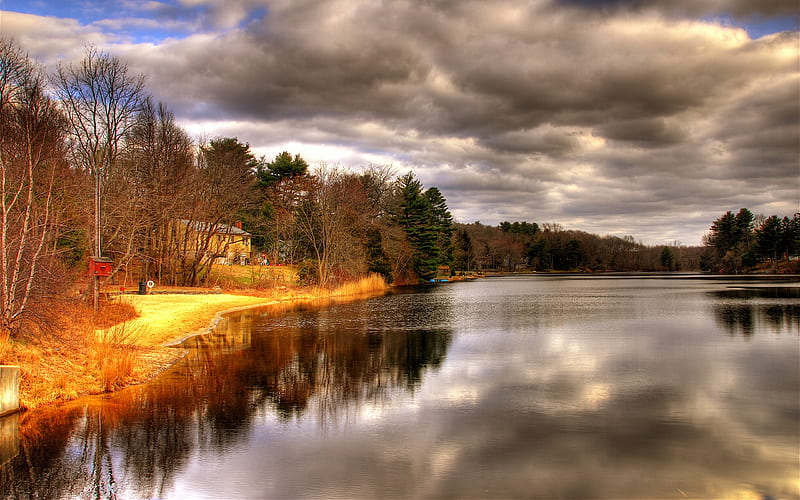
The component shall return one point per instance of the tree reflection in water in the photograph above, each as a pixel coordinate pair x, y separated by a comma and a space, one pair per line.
553, 388
742, 311
268, 360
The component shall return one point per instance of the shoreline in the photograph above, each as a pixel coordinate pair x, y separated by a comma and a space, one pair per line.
166, 320
197, 314
138, 350
218, 317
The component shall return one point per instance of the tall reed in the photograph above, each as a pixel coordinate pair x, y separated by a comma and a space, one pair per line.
112, 344
114, 354
374, 283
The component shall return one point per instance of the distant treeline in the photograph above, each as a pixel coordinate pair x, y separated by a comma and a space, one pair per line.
734, 244
518, 246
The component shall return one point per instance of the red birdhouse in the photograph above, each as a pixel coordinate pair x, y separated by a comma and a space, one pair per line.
101, 266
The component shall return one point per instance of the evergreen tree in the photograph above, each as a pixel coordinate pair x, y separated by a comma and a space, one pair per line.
427, 223
539, 255
415, 218
668, 259
377, 260
573, 255
523, 228
732, 237
769, 238
442, 222
284, 166
790, 236
745, 232
722, 236
280, 183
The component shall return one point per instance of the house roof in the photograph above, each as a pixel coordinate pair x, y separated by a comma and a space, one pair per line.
206, 227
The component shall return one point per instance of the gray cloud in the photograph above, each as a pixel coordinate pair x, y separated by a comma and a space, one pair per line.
740, 8
602, 116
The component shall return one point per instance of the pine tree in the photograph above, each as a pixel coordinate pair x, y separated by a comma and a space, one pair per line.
769, 238
377, 260
282, 167
427, 223
732, 237
442, 221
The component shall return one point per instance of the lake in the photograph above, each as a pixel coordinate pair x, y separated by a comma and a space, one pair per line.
535, 386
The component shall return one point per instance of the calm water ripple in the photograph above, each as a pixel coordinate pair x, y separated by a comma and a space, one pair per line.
515, 387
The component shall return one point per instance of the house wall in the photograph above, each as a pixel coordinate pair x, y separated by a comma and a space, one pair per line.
228, 246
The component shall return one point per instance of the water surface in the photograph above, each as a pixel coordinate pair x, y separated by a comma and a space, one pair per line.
515, 387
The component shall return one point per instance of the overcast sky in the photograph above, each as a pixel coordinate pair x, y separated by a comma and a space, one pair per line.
624, 117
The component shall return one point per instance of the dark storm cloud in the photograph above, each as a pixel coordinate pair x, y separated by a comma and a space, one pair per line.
544, 140
465, 77
543, 110
644, 131
743, 8
586, 113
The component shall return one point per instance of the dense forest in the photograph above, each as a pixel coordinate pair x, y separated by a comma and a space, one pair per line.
742, 242
93, 166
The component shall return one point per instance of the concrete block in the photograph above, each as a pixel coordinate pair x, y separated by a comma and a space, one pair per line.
9, 389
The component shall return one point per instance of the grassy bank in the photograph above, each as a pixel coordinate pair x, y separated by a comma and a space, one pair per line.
126, 343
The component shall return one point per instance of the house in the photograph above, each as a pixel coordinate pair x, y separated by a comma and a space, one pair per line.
223, 244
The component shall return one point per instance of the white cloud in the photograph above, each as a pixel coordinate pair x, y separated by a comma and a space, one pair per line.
49, 39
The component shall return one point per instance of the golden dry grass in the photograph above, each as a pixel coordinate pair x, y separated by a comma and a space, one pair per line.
65, 359
374, 283
167, 318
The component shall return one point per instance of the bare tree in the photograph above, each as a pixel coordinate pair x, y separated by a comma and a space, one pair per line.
333, 217
378, 181
31, 152
160, 168
101, 99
